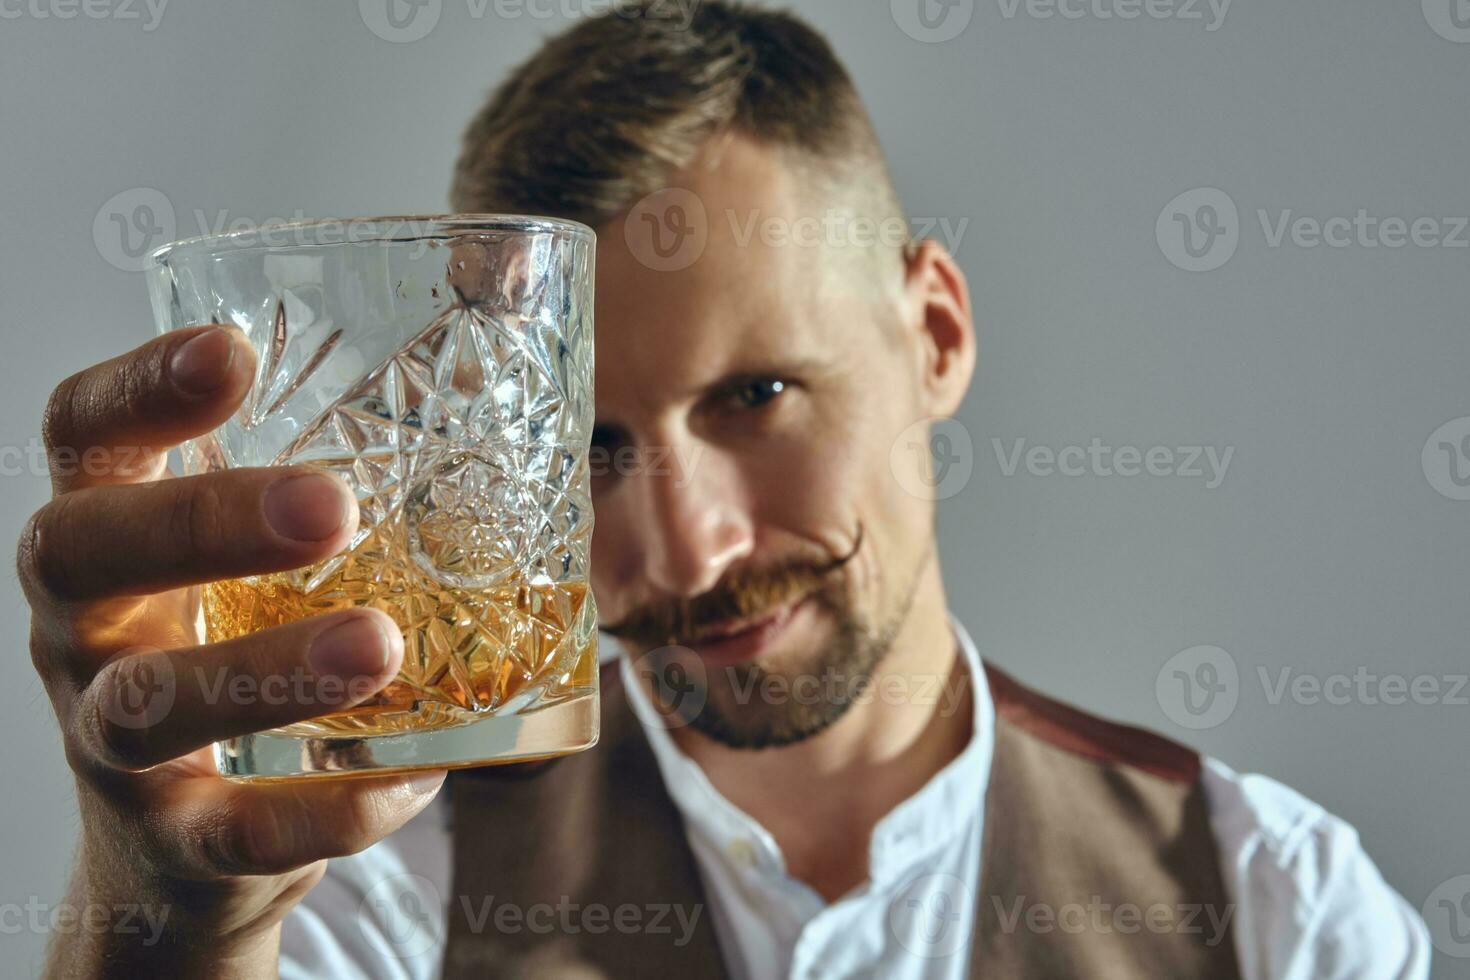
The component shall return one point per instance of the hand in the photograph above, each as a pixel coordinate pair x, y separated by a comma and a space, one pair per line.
110, 567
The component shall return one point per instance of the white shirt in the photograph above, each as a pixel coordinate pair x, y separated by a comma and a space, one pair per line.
1307, 902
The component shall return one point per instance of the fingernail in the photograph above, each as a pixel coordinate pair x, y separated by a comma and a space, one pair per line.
360, 647
307, 507
202, 363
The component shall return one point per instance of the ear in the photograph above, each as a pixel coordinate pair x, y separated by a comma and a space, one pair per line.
937, 300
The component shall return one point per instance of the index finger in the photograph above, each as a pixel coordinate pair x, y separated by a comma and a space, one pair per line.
114, 422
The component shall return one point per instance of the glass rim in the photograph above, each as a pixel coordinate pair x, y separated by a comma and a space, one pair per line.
382, 228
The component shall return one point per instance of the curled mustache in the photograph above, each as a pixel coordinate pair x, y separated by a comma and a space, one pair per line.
743, 595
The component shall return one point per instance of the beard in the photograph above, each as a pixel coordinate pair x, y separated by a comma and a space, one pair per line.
795, 694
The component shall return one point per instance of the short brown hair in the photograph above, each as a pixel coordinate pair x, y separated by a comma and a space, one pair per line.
607, 111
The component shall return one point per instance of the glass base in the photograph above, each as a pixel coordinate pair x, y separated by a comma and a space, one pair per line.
561, 729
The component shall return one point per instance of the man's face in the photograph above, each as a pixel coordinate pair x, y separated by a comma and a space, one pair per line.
746, 508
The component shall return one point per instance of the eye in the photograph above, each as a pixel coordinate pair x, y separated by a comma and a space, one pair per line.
758, 392
606, 441
605, 437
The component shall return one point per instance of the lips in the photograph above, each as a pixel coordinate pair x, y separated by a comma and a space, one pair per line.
736, 642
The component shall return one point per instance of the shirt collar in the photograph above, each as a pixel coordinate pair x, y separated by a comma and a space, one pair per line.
950, 803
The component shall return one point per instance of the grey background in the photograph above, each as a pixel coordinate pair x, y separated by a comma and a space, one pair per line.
1060, 140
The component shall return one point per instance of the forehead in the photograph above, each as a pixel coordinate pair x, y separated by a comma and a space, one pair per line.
734, 293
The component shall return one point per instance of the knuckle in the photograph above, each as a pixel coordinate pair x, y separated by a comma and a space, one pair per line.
197, 516
217, 844
42, 554
270, 677
47, 660
81, 759
58, 421
137, 379
121, 389
118, 746
40, 655
253, 842
26, 563
124, 711
289, 832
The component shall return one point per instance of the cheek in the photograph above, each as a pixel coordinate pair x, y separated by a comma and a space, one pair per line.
810, 488
824, 487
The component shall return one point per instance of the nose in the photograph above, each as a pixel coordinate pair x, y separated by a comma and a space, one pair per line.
694, 522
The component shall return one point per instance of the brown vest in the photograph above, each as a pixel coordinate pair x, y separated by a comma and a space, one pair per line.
1098, 859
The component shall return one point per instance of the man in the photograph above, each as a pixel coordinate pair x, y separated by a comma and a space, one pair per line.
805, 769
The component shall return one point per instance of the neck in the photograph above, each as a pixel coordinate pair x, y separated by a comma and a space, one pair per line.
917, 717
